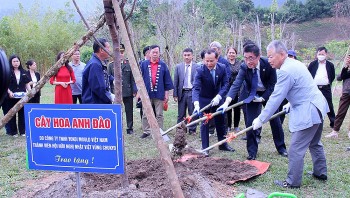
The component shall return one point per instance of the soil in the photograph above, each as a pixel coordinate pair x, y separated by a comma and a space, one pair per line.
199, 177
179, 140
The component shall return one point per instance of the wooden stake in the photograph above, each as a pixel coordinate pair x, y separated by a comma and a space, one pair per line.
155, 131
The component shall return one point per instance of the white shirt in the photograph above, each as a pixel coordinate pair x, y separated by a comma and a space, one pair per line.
189, 68
321, 77
260, 84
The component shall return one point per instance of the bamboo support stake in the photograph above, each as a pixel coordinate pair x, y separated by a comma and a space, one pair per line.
52, 71
155, 130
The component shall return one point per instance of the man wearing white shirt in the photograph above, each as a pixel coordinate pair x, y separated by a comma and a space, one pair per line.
78, 68
323, 73
183, 79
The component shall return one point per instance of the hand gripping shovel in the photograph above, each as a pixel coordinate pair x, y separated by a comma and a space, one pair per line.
234, 135
180, 123
215, 114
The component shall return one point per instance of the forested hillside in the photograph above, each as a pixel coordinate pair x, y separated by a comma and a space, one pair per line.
40, 33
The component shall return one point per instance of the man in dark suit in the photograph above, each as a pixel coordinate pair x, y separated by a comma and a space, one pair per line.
183, 82
210, 86
260, 80
323, 73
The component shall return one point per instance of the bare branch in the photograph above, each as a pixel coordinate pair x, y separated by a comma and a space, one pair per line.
87, 27
131, 11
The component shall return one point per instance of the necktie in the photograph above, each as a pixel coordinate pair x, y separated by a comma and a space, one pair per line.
212, 72
254, 87
186, 76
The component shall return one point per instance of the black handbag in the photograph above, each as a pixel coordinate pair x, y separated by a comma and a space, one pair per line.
139, 103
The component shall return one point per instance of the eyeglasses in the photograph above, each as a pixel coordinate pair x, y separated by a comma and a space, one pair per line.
250, 58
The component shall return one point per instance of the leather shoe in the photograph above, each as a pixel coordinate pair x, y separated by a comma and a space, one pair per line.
283, 153
284, 184
129, 131
251, 157
144, 135
244, 138
226, 147
191, 132
320, 177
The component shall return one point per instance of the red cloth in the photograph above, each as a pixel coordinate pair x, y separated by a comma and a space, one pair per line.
63, 95
154, 68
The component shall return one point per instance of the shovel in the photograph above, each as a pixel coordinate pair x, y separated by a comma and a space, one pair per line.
237, 134
216, 113
179, 124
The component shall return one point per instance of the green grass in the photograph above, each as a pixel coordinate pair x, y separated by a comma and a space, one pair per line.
14, 173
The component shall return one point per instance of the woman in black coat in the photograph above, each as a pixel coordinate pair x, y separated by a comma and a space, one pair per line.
34, 77
19, 85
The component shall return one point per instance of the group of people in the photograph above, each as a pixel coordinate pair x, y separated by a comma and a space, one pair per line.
21, 81
217, 82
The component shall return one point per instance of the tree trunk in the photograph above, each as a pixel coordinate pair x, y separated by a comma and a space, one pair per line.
52, 71
155, 131
117, 69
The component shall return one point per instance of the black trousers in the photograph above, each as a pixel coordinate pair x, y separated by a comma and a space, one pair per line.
327, 93
128, 106
12, 128
237, 114
76, 98
253, 110
185, 103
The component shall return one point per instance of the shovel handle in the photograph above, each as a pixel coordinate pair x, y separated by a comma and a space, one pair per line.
215, 114
240, 133
180, 123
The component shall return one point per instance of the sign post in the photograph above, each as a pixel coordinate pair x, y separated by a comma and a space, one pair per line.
76, 138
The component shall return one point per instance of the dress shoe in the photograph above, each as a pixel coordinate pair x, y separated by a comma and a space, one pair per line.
129, 131
144, 135
348, 149
191, 132
320, 177
244, 138
283, 153
226, 148
236, 129
284, 184
251, 157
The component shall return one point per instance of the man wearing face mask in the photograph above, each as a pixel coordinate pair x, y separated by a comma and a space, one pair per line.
323, 73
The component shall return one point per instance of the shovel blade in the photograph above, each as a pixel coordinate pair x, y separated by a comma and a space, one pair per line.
165, 136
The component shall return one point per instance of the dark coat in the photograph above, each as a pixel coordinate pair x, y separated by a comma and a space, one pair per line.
204, 89
95, 83
329, 67
268, 77
37, 95
23, 80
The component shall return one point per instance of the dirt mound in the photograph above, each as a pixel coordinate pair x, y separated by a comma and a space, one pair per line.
199, 177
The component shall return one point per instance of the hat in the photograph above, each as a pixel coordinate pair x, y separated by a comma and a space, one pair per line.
292, 53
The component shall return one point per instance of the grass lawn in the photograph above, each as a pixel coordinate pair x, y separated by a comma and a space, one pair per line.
14, 172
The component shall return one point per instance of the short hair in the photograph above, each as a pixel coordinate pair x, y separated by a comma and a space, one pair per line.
248, 42
145, 49
30, 63
154, 46
202, 54
252, 48
231, 47
96, 47
210, 51
187, 50
278, 46
322, 48
215, 44
13, 56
